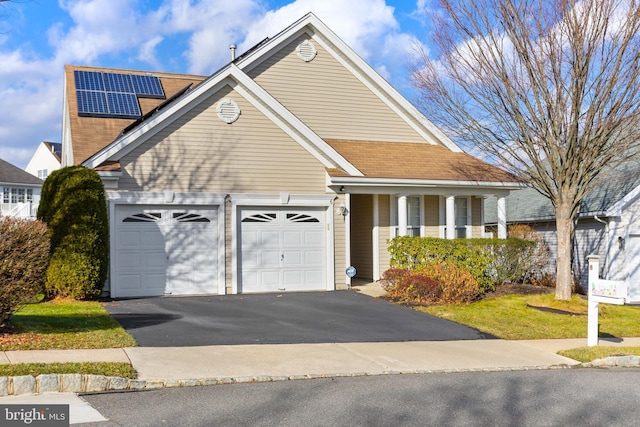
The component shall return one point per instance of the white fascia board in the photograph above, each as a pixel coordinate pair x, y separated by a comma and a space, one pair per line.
21, 184
424, 182
292, 31
373, 81
618, 207
384, 185
126, 143
290, 124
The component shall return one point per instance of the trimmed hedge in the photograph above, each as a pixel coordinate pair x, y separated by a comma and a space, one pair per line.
489, 261
73, 205
24, 254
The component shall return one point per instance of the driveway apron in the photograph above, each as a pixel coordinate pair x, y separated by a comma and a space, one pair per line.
288, 318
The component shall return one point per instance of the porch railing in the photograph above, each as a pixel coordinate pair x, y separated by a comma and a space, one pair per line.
18, 210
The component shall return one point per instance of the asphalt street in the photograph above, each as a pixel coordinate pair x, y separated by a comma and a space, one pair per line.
565, 397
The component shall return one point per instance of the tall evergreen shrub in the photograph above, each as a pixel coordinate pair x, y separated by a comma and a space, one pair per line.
74, 207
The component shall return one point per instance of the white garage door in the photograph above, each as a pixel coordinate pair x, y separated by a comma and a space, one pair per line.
162, 251
282, 250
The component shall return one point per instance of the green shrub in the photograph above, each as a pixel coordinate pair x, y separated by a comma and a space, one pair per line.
74, 207
24, 254
417, 252
536, 260
72, 275
489, 261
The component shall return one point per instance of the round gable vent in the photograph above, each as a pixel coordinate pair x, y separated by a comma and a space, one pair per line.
306, 51
228, 110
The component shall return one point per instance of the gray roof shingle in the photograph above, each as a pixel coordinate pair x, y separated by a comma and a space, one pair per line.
527, 205
10, 174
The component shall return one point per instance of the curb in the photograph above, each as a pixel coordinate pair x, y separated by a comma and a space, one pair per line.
78, 383
615, 362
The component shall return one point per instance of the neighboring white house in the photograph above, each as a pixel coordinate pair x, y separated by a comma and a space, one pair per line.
45, 160
608, 224
20, 192
291, 163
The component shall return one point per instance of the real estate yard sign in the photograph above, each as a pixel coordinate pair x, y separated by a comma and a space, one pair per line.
605, 291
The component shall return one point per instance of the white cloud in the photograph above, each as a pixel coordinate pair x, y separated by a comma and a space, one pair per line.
362, 24
100, 27
147, 51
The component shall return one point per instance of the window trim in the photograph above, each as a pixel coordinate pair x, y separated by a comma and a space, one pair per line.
443, 225
394, 215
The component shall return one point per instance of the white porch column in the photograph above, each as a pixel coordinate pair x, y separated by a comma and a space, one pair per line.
450, 217
402, 215
502, 217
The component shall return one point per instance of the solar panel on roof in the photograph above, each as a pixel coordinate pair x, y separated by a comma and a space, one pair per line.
114, 94
88, 80
91, 102
123, 104
114, 82
148, 86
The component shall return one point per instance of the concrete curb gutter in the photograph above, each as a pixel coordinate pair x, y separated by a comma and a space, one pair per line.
78, 383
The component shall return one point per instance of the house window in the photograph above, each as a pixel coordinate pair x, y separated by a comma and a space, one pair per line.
462, 216
43, 173
414, 216
16, 195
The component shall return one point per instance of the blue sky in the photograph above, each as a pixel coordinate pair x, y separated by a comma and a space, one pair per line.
38, 37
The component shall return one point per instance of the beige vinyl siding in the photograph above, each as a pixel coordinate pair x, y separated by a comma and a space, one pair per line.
329, 98
384, 221
340, 244
432, 216
477, 227
199, 152
362, 235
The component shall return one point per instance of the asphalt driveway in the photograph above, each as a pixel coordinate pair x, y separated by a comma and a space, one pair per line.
289, 318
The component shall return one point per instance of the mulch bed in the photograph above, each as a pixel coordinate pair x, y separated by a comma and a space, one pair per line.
518, 289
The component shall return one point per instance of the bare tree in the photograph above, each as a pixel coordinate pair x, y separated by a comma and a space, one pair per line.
548, 89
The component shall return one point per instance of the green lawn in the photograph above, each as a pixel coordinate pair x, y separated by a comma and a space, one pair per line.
64, 324
515, 317
113, 369
518, 317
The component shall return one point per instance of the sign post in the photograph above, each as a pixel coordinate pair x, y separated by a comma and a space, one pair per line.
606, 291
